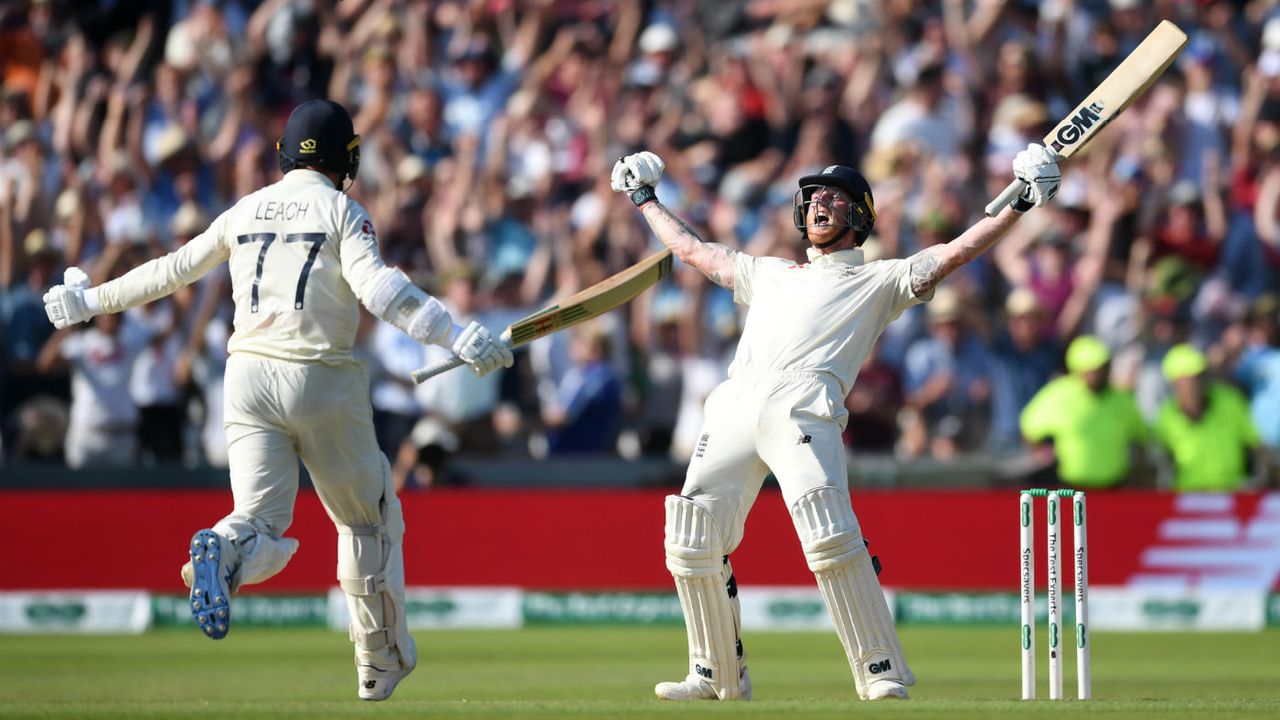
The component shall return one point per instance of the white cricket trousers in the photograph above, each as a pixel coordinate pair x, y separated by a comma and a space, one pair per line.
788, 422
278, 411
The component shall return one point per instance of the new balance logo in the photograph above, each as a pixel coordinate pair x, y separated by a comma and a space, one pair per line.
368, 684
804, 440
878, 667
702, 671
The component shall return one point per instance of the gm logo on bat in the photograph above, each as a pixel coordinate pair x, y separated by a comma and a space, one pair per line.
1081, 121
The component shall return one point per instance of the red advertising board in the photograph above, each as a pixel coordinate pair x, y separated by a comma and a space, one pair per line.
612, 540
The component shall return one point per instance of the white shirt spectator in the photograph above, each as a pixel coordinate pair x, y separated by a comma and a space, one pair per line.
399, 355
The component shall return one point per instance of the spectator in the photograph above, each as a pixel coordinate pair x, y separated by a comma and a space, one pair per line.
103, 429
1205, 426
1023, 360
874, 405
423, 459
1093, 425
586, 413
947, 383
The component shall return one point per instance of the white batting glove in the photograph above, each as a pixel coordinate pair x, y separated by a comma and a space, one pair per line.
65, 304
477, 348
637, 175
1037, 166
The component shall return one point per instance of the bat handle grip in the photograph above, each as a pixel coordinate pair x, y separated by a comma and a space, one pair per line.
423, 374
1005, 197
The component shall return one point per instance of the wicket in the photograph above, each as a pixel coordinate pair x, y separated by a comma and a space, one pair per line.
1027, 576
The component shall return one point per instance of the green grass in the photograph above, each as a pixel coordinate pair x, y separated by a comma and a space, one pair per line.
604, 672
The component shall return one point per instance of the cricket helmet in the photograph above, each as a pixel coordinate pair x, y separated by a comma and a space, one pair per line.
862, 214
320, 133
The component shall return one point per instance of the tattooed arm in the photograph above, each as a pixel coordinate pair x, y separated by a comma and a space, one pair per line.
931, 265
714, 260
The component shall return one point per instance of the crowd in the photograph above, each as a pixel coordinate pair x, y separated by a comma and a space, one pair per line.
489, 129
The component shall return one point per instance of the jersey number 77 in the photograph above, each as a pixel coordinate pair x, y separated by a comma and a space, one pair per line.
317, 239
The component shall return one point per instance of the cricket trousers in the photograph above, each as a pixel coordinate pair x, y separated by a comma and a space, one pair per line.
789, 423
277, 412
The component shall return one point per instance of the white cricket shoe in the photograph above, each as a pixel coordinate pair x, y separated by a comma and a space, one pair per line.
887, 690
696, 688
376, 683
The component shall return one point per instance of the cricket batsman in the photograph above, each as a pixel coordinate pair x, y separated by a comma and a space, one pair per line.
302, 256
807, 331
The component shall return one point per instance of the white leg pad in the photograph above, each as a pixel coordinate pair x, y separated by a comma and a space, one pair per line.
261, 553
371, 573
695, 557
838, 557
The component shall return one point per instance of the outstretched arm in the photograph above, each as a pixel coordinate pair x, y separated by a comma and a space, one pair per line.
712, 259
1037, 167
636, 176
931, 265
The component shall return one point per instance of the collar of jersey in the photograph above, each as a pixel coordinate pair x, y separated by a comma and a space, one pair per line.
303, 176
852, 256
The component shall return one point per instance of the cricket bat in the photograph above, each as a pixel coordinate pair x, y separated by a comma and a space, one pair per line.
1130, 79
586, 304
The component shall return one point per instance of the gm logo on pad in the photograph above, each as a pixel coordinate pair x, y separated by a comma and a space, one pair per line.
307, 146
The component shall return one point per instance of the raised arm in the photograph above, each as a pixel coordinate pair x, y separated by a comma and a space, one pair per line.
931, 265
1038, 168
637, 175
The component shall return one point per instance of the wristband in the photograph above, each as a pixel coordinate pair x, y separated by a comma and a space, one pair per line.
1022, 203
643, 195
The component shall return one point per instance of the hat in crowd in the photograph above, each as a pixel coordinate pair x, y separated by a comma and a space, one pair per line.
1183, 361
37, 245
1271, 34
1184, 192
658, 37
1022, 301
1019, 111
19, 132
410, 168
643, 73
67, 205
460, 270
945, 305
189, 221
429, 432
1086, 353
1265, 305
171, 141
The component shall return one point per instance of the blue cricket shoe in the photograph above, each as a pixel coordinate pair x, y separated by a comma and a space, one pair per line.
210, 584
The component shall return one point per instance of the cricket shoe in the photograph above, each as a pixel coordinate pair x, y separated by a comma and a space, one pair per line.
378, 684
696, 688
211, 583
887, 690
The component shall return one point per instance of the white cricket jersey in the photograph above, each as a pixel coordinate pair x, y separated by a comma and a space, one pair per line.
300, 254
823, 316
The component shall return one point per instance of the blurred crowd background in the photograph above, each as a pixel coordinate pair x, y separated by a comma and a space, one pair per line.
490, 127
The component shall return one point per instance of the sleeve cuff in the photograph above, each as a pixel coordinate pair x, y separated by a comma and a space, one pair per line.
92, 302
454, 333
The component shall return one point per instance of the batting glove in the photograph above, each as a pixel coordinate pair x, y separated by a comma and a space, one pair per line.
1037, 166
477, 348
637, 175
65, 304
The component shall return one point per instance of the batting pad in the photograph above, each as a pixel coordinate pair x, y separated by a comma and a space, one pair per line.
839, 559
371, 573
695, 557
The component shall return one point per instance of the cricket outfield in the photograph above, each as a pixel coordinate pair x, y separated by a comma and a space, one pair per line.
609, 671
